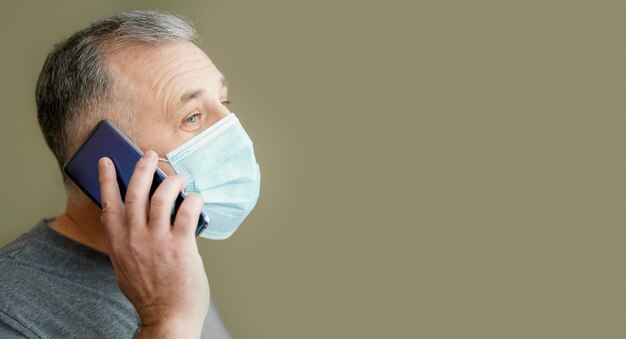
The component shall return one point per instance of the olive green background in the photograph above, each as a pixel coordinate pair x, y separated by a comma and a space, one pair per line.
430, 169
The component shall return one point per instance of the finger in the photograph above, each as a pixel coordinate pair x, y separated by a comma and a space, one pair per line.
163, 200
111, 201
187, 216
139, 189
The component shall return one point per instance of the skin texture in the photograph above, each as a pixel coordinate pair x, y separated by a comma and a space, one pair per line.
176, 92
157, 265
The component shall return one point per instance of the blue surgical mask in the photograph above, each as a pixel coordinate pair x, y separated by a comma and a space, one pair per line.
219, 164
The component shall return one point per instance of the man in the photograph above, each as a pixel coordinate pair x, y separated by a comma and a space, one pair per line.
122, 271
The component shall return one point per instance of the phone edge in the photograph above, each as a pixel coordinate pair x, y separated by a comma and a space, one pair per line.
199, 229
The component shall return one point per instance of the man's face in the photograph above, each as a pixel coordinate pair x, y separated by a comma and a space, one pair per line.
177, 92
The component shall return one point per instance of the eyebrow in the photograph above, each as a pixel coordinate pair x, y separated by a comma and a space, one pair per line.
190, 95
194, 93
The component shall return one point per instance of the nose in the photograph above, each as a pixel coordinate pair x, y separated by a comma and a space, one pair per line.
223, 112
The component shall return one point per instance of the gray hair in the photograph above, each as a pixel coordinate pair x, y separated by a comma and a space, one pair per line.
75, 82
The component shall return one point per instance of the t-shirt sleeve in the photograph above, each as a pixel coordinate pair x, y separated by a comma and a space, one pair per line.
11, 328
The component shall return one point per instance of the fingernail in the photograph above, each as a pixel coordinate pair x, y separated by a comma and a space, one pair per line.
150, 155
104, 162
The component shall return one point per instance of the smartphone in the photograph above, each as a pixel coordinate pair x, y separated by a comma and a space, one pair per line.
106, 140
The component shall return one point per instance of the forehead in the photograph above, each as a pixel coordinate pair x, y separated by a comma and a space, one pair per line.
160, 72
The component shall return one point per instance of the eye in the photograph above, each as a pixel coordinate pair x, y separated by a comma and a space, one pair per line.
226, 102
193, 119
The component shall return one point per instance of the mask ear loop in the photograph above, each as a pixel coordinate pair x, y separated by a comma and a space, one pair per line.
164, 160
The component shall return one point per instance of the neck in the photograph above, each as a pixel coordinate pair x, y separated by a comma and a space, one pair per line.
81, 221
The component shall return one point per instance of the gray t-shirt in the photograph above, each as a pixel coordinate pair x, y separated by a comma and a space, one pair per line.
54, 287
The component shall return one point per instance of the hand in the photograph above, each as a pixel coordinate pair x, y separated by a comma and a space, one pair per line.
157, 265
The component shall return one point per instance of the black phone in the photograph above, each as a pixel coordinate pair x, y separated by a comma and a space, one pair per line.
106, 140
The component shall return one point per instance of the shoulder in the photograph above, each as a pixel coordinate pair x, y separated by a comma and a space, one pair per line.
12, 328
15, 280
9, 250
15, 264
22, 283
23, 260
56, 288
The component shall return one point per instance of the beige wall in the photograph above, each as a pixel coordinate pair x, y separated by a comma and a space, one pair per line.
431, 169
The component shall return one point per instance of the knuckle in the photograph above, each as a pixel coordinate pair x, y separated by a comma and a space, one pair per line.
107, 209
131, 197
185, 214
158, 201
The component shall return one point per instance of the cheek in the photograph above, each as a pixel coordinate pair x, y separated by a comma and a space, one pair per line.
157, 141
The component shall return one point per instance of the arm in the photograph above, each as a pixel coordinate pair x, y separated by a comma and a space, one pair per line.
157, 265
